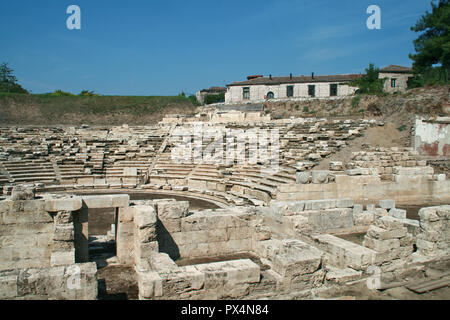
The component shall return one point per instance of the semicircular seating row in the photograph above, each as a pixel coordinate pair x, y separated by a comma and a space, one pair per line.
126, 157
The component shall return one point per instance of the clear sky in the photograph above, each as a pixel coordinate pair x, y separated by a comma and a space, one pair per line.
147, 47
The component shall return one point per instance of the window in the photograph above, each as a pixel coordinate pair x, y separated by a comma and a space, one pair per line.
333, 90
312, 90
246, 93
393, 83
290, 91
270, 95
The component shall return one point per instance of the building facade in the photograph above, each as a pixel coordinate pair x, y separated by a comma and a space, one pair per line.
396, 78
259, 88
202, 95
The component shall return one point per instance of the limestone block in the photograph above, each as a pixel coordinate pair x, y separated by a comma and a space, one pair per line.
380, 212
303, 177
387, 204
5, 206
341, 276
162, 263
393, 254
106, 201
63, 217
173, 210
287, 208
388, 223
428, 214
130, 171
331, 219
150, 284
60, 258
64, 204
146, 235
144, 217
126, 214
370, 207
175, 225
22, 192
120, 200
397, 213
319, 176
320, 204
8, 286
174, 284
344, 253
63, 232
363, 219
357, 208
354, 172
382, 234
336, 166
381, 245
344, 203
407, 241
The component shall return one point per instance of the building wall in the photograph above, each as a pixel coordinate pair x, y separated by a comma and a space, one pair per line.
432, 137
234, 94
402, 81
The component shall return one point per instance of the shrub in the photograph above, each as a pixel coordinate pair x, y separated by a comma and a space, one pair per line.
214, 98
355, 101
194, 100
87, 93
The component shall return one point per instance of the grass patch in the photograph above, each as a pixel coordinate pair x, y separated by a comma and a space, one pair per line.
56, 107
355, 101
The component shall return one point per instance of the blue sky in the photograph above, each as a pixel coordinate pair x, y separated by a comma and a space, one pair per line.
146, 47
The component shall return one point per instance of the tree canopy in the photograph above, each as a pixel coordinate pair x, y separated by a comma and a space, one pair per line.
8, 82
433, 44
369, 83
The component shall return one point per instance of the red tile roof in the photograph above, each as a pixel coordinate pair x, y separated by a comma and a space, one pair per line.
396, 69
300, 79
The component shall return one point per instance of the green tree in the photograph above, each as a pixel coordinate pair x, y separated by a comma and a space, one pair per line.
370, 83
8, 82
433, 44
87, 93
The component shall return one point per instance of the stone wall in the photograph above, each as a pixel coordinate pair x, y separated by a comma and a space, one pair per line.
26, 234
401, 81
434, 236
316, 215
74, 282
202, 234
432, 136
411, 184
234, 94
37, 249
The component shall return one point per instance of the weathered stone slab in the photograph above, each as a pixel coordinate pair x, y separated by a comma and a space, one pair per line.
343, 253
382, 234
173, 209
388, 223
387, 204
397, 213
303, 177
319, 176
64, 204
381, 245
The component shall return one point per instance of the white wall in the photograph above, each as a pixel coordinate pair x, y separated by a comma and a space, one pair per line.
402, 81
234, 94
